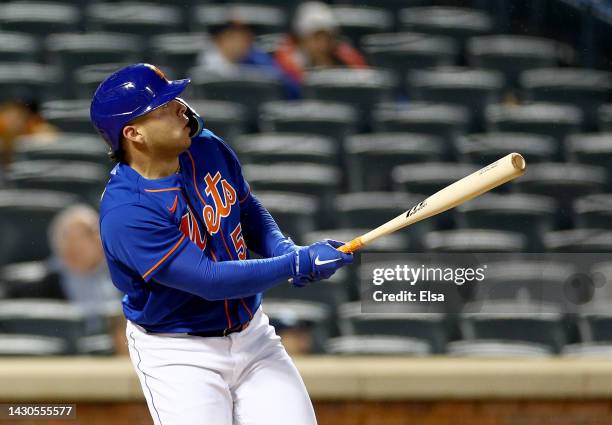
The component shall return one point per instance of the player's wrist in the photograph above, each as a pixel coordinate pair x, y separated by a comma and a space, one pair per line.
284, 246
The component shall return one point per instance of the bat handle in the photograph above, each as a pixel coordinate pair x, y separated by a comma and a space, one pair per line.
352, 246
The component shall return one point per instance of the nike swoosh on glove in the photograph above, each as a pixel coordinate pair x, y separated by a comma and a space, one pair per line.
318, 261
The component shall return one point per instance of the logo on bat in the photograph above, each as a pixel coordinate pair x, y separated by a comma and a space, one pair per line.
418, 207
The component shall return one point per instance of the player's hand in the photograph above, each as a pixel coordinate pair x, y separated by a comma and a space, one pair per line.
319, 261
196, 123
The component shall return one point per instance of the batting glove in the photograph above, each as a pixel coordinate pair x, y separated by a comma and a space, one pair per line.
318, 261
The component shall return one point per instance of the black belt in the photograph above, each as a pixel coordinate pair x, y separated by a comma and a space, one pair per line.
225, 332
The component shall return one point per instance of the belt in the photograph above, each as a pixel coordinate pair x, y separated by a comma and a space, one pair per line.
225, 332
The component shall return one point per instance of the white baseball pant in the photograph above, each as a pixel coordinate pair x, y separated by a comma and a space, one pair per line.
246, 378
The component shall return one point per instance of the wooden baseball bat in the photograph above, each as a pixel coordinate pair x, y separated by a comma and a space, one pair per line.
501, 171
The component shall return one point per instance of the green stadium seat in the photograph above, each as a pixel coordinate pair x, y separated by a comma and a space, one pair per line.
18, 47
512, 54
371, 157
475, 89
486, 148
24, 218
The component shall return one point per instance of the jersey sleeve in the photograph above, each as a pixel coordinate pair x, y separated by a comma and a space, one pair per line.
145, 241
141, 238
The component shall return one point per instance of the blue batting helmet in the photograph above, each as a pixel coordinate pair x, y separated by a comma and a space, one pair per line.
128, 94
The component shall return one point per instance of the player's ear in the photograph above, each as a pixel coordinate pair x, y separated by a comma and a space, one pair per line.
132, 133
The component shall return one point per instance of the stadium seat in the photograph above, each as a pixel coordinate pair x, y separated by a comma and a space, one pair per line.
443, 120
315, 317
288, 6
18, 47
371, 157
84, 179
586, 88
31, 279
475, 89
142, 19
248, 86
538, 323
295, 214
332, 293
32, 345
357, 21
331, 119
564, 182
39, 18
179, 51
579, 240
459, 23
531, 215
361, 88
605, 117
263, 19
406, 51
87, 78
269, 43
49, 318
497, 349
321, 181
100, 345
592, 149
72, 51
595, 323
474, 241
272, 148
63, 146
512, 54
363, 209
594, 211
485, 148
426, 327
428, 178
69, 115
557, 121
534, 279
377, 345
28, 81
24, 218
226, 119
587, 350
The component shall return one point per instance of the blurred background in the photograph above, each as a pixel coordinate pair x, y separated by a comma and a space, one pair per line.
343, 114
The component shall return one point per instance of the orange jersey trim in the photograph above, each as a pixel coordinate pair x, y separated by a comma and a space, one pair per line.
144, 276
245, 196
163, 190
247, 308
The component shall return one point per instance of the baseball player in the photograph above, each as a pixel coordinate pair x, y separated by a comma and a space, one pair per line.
177, 220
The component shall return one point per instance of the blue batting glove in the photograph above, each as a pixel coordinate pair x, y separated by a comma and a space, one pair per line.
318, 261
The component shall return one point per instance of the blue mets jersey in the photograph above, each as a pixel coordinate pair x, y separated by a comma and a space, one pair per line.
176, 246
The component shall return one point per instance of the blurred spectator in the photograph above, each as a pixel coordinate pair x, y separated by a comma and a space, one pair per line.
233, 48
83, 275
315, 43
19, 118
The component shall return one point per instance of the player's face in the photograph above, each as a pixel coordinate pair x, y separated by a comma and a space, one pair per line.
164, 130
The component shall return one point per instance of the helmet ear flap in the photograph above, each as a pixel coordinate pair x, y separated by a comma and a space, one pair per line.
196, 123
